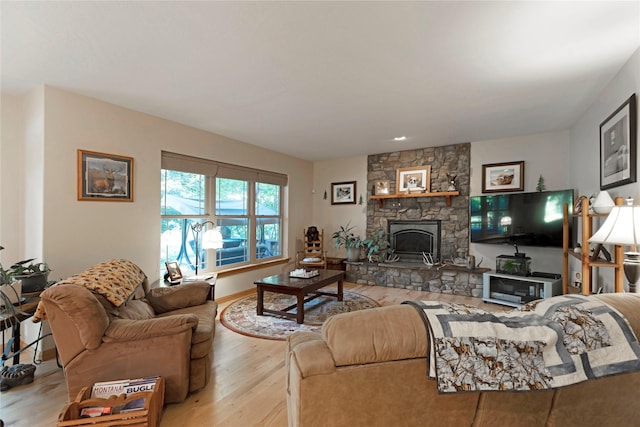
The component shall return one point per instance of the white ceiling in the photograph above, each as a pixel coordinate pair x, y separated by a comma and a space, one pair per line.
320, 80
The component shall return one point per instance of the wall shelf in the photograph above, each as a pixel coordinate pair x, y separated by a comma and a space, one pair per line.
446, 194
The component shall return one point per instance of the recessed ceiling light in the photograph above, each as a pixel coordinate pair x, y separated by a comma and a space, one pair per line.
400, 138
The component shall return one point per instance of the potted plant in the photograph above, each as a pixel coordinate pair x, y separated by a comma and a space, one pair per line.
351, 242
378, 247
32, 275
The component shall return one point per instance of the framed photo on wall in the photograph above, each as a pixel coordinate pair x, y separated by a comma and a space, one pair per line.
104, 177
618, 134
417, 177
503, 177
343, 193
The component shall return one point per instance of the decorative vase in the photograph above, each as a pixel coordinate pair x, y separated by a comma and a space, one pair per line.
603, 203
12, 292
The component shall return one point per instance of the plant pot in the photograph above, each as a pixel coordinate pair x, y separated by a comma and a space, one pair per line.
33, 282
353, 254
12, 292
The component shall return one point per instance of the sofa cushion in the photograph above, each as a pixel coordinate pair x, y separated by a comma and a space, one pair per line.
136, 310
166, 299
202, 337
370, 336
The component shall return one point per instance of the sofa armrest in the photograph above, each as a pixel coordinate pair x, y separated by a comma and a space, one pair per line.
381, 334
309, 352
166, 299
122, 330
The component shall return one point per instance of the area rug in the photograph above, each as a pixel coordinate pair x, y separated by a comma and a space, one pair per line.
240, 316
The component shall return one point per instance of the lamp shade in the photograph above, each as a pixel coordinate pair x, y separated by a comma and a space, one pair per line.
622, 227
212, 239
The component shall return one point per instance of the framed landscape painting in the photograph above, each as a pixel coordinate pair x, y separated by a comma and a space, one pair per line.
503, 177
104, 177
618, 134
343, 193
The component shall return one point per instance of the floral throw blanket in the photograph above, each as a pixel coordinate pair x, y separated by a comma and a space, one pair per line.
115, 279
545, 344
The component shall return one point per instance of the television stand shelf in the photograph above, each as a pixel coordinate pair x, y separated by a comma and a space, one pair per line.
586, 261
446, 194
514, 291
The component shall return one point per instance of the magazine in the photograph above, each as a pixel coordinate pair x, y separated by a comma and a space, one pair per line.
127, 387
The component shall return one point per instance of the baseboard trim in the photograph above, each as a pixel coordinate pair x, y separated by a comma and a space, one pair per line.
235, 296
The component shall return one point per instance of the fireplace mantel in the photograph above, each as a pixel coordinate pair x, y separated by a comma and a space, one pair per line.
446, 194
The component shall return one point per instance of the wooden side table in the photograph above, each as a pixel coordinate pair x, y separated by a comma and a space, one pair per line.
210, 278
336, 264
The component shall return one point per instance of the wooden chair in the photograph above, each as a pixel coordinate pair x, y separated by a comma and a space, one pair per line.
313, 255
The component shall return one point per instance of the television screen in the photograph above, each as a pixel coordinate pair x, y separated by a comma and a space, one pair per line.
527, 219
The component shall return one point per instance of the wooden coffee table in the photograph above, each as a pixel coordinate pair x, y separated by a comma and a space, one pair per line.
283, 284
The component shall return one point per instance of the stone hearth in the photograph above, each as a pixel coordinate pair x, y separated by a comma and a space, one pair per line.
418, 277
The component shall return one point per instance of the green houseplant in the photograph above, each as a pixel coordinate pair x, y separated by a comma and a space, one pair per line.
351, 242
378, 247
33, 275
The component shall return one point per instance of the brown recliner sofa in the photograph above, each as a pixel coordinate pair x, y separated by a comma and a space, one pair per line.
369, 368
162, 331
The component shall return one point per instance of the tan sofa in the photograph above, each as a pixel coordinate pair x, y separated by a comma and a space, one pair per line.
369, 369
164, 331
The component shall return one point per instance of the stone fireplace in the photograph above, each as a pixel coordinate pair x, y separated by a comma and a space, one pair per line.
410, 239
421, 224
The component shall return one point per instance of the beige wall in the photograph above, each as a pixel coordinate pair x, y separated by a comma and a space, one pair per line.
330, 217
75, 234
545, 154
585, 151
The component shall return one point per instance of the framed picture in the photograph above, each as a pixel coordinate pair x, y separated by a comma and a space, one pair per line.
104, 177
381, 188
173, 271
503, 177
343, 193
618, 135
414, 178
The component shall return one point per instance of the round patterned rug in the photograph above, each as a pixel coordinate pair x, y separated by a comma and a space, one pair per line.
240, 316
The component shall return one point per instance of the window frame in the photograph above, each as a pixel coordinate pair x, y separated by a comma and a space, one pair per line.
213, 170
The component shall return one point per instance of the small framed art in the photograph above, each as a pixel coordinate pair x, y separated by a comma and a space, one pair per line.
381, 188
618, 135
503, 177
343, 193
104, 177
413, 178
173, 271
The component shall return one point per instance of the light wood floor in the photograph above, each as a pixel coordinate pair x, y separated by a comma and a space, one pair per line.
246, 389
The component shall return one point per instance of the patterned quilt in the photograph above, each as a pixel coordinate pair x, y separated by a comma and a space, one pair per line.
545, 344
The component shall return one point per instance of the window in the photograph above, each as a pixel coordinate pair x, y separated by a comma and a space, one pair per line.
246, 206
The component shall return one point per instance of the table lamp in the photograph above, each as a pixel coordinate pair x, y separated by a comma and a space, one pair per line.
622, 228
212, 238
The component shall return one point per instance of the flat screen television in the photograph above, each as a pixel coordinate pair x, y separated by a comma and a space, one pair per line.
525, 219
